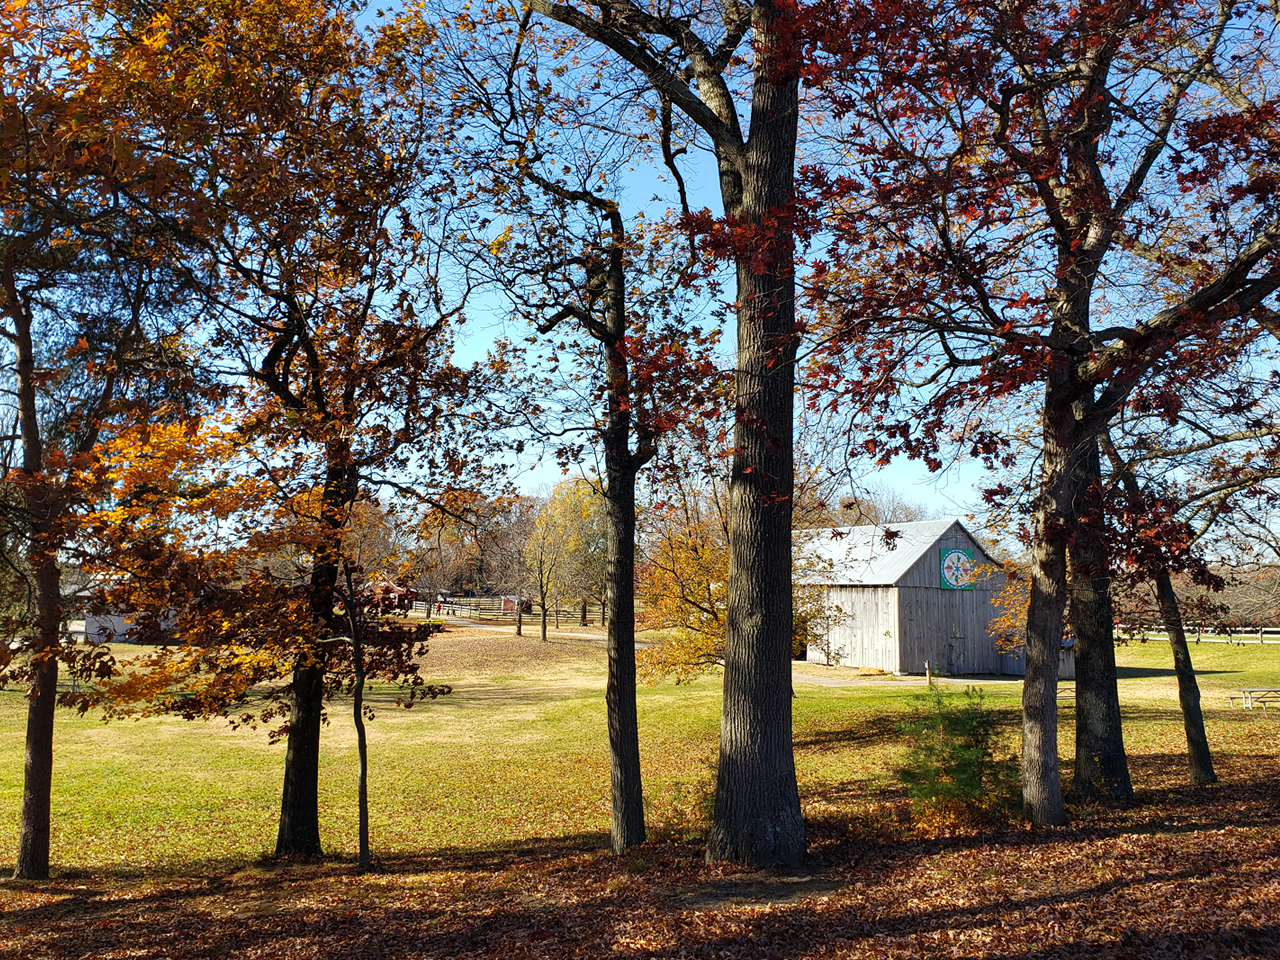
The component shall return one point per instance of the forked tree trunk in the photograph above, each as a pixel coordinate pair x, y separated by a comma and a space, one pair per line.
757, 807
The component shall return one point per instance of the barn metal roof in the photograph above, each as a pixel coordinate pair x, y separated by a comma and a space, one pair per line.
865, 556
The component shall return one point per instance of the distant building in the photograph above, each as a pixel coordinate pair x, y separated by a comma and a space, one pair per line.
906, 593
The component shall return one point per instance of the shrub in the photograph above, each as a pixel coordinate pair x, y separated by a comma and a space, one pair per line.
953, 770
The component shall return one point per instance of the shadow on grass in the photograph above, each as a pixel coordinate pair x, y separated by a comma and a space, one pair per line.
1184, 872
878, 730
458, 859
883, 728
1141, 673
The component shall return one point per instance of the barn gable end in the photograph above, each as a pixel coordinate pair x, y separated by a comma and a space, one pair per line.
948, 627
897, 613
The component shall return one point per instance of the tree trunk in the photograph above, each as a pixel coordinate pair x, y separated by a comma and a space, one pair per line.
757, 807
583, 621
544, 620
620, 693
618, 609
1101, 769
37, 785
519, 616
1198, 755
362, 749
757, 814
1041, 782
299, 834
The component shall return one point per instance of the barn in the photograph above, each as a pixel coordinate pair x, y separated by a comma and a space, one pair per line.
902, 593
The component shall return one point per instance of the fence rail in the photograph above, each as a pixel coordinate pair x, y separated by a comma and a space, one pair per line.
1202, 633
503, 610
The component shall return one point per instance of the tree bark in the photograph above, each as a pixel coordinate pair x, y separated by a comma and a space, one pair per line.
757, 815
628, 828
1101, 768
1199, 757
1041, 783
757, 807
362, 748
299, 834
618, 611
37, 786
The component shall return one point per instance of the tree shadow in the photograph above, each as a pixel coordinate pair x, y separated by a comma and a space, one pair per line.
562, 900
878, 730
1140, 673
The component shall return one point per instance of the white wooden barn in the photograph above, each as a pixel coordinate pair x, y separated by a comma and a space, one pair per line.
904, 593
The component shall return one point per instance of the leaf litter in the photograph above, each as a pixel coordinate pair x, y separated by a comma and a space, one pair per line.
1183, 873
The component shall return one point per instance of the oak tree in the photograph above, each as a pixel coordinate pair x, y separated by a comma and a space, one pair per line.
1011, 226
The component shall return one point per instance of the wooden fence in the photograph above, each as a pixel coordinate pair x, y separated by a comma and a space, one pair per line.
503, 610
1208, 633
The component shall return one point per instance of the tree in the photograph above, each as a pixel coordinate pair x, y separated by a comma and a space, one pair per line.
370, 608
757, 818
1156, 563
683, 579
621, 366
683, 592
1186, 486
565, 540
304, 206
1020, 172
215, 568
87, 307
684, 571
510, 571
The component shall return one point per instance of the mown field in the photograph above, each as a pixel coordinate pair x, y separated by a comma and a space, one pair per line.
490, 817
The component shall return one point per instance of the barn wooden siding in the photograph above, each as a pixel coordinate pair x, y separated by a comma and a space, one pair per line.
947, 627
866, 635
897, 627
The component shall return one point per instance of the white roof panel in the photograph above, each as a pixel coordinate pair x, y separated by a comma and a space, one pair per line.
871, 556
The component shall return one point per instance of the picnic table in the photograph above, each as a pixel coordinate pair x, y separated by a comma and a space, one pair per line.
1262, 695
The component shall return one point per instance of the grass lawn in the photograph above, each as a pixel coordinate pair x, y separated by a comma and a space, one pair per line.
490, 815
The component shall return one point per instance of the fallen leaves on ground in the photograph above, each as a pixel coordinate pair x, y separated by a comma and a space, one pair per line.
1183, 873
